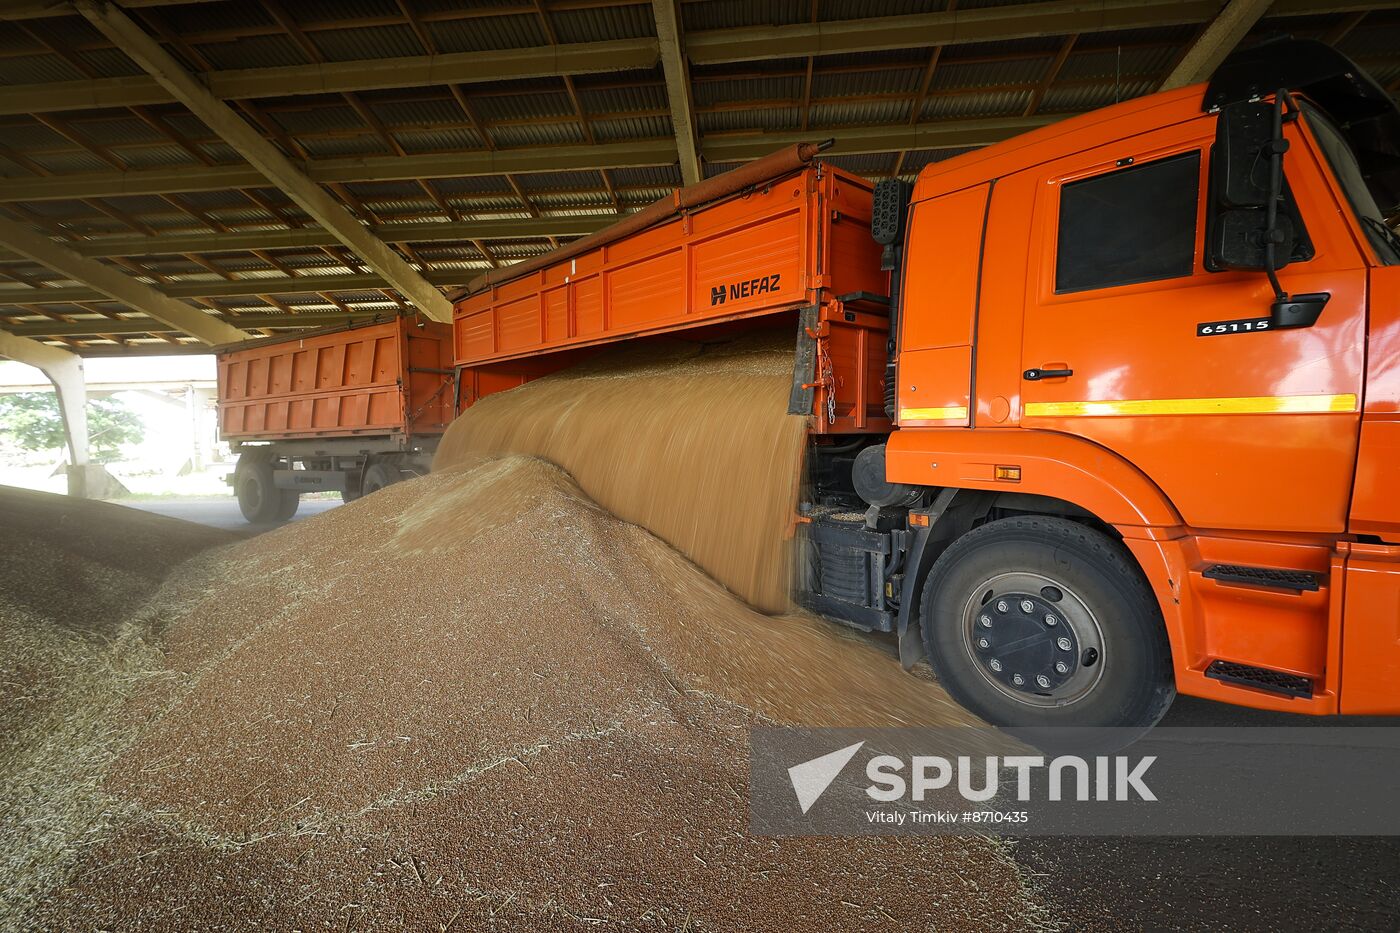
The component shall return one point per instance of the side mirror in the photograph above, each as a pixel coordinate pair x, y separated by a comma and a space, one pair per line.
1248, 230
1244, 133
1239, 238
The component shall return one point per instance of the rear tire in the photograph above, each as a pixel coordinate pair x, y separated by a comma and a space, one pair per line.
258, 498
1043, 622
378, 475
290, 502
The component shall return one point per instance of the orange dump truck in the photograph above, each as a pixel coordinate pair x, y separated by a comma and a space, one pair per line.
1118, 399
350, 409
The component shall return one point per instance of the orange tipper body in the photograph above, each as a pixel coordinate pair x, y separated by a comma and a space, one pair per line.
387, 378
1249, 471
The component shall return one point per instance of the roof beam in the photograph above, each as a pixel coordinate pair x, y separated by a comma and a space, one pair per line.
164, 243
310, 284
677, 88
265, 157
340, 77
143, 325
947, 134
332, 171
1026, 20
103, 282
1217, 41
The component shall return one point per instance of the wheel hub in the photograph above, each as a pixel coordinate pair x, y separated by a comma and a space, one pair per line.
1023, 643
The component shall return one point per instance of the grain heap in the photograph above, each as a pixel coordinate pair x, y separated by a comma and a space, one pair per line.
478, 700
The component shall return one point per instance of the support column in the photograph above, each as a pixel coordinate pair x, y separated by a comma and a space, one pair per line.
65, 371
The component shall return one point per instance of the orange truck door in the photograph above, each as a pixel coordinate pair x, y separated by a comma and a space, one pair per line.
938, 319
1129, 340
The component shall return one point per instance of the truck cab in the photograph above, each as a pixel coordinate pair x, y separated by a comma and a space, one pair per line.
1151, 393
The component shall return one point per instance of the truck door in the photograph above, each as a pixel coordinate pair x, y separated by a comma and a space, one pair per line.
1131, 342
938, 318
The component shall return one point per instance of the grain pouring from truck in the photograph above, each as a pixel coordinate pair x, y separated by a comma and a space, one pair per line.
1099, 414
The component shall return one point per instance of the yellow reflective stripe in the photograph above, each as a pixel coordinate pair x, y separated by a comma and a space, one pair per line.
958, 412
1253, 405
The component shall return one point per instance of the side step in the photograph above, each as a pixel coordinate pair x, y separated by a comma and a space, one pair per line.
1297, 580
1260, 678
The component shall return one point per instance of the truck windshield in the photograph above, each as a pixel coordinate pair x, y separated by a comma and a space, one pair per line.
1344, 165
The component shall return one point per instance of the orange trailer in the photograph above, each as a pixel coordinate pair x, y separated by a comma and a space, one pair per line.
1120, 398
347, 408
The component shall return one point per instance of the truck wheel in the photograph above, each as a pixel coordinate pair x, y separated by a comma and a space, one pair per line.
378, 475
258, 499
1033, 621
289, 503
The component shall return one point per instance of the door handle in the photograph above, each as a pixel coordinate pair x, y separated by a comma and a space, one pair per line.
1037, 374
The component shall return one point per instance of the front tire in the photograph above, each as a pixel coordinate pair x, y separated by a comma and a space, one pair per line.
378, 474
1039, 622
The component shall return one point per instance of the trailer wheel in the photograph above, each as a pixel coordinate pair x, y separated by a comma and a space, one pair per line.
379, 474
1033, 621
259, 500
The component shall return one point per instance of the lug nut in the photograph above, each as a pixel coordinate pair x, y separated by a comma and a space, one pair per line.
1051, 620
1042, 680
994, 664
1061, 667
1017, 679
1027, 606
986, 621
1002, 605
983, 643
1063, 643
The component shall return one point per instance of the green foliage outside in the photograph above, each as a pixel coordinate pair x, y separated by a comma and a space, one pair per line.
31, 421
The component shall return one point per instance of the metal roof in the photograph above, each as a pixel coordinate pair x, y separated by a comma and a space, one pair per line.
495, 154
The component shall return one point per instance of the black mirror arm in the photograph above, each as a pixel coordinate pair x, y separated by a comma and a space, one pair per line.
1277, 147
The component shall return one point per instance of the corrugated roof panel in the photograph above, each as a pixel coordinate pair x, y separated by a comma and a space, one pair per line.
984, 104
540, 134
656, 177
37, 69
317, 119
473, 184
558, 181
624, 99
485, 204
348, 45
445, 140
416, 114
497, 107
156, 156
117, 132
631, 128
562, 202
109, 63
737, 90
65, 163
836, 10
1082, 98
366, 144
603, 23
519, 31
29, 135
221, 152
767, 118
13, 39
725, 14
252, 52
860, 83
989, 74
869, 113
872, 165
207, 17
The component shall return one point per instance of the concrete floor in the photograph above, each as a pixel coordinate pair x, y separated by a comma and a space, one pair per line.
221, 511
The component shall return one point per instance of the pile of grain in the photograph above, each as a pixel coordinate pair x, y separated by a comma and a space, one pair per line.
70, 654
482, 700
691, 442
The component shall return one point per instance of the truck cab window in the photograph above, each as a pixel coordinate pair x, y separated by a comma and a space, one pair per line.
1137, 224
1348, 172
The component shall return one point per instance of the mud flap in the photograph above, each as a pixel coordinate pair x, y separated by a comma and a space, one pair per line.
931, 541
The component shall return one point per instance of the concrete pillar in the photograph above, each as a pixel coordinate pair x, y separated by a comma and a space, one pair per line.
65, 371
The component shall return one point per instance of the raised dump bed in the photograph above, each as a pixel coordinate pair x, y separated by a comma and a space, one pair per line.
349, 408
795, 245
